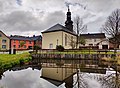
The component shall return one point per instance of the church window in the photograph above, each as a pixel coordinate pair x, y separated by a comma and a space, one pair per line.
51, 46
65, 39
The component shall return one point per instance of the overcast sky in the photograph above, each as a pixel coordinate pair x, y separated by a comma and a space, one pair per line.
30, 17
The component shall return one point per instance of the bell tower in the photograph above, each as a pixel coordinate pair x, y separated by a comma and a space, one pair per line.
69, 22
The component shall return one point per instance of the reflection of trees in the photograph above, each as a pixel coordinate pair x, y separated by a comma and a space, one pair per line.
106, 81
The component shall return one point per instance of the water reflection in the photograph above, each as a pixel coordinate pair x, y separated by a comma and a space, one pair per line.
57, 74
26, 78
29, 78
60, 75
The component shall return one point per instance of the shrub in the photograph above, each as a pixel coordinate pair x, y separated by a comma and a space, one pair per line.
0, 65
7, 66
21, 61
60, 48
36, 47
27, 59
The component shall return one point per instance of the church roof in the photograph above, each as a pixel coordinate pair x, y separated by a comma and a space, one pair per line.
55, 82
58, 27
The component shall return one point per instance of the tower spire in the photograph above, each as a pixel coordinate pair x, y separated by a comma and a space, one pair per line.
69, 22
68, 9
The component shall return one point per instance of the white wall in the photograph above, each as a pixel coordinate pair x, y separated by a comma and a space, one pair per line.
52, 37
95, 41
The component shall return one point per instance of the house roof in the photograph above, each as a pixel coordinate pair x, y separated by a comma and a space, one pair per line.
39, 37
93, 35
16, 37
4, 34
58, 27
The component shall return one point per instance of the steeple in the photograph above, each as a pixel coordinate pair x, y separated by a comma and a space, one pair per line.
68, 9
69, 22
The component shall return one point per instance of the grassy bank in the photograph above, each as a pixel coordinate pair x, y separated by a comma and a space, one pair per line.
117, 59
10, 60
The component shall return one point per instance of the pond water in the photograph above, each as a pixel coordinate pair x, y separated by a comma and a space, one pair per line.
56, 74
29, 78
26, 78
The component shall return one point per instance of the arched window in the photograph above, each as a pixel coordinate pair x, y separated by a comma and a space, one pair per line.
65, 39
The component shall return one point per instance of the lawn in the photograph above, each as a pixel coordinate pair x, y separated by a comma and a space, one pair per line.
10, 60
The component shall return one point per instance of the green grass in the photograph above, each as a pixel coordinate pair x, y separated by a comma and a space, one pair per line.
9, 60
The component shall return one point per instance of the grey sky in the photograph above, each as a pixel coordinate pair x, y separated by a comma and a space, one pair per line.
29, 17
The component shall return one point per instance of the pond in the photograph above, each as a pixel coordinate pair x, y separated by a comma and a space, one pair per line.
57, 73
29, 78
26, 78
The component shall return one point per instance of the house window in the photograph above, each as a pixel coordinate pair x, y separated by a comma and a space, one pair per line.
95, 44
14, 46
0, 35
65, 39
4, 46
24, 46
29, 47
30, 42
14, 41
94, 40
51, 46
90, 44
18, 46
4, 41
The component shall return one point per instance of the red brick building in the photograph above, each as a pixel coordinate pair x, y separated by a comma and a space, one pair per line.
37, 40
24, 43
21, 42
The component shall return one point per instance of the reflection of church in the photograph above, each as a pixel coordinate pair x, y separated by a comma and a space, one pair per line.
59, 34
59, 75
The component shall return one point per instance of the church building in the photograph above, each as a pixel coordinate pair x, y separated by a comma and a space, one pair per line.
60, 35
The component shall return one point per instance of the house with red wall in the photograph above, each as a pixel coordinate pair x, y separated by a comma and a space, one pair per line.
25, 43
21, 42
37, 40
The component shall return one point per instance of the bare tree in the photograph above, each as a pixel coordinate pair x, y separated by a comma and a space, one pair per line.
79, 28
112, 28
71, 42
82, 41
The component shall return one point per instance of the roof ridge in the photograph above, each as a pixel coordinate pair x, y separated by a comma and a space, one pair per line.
58, 27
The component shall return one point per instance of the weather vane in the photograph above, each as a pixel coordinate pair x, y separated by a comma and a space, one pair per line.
68, 8
68, 4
